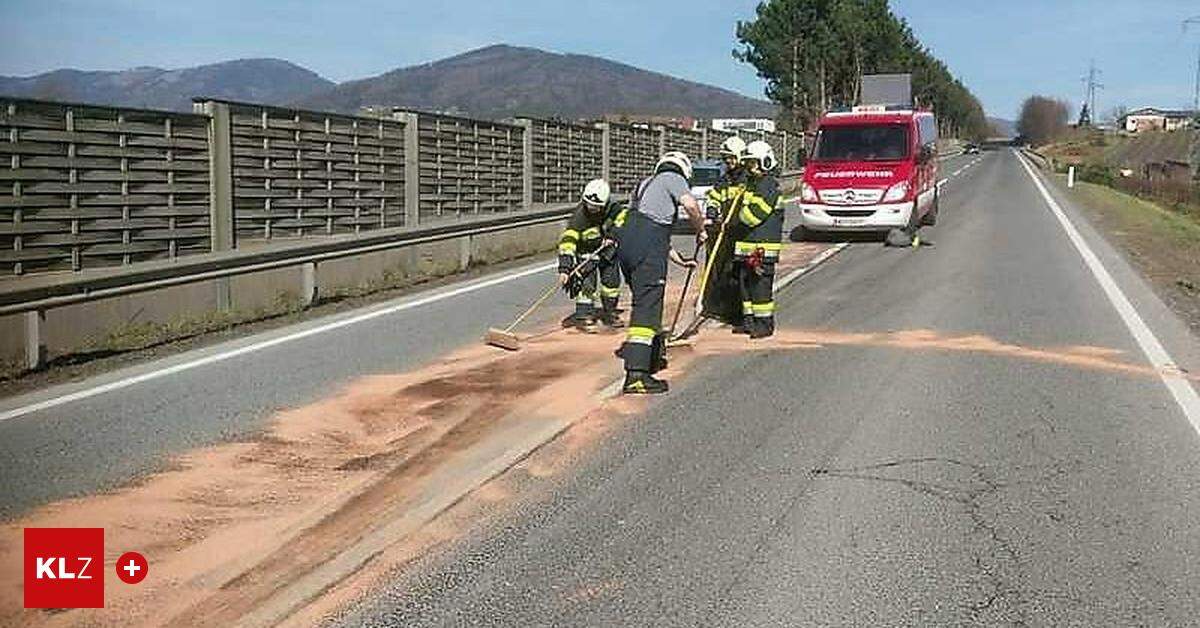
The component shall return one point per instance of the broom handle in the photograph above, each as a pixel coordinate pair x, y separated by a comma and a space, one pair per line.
717, 245
541, 299
552, 290
683, 297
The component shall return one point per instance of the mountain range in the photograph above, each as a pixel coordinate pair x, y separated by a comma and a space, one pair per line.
492, 82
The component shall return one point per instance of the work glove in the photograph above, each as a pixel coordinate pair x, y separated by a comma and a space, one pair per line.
608, 250
565, 264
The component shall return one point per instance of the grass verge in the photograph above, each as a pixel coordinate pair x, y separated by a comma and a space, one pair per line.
1163, 244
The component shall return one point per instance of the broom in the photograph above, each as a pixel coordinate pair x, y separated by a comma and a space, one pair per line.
505, 338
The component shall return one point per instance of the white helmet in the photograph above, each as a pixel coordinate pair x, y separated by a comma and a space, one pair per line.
733, 145
678, 159
596, 192
761, 151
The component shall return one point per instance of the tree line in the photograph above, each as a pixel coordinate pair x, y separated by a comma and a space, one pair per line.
812, 54
1042, 119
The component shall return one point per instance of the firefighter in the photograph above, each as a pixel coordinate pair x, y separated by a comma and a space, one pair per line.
721, 299
598, 282
758, 240
645, 245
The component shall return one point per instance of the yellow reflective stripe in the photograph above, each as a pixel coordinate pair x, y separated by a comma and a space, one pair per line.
747, 307
641, 335
716, 195
620, 219
748, 217
570, 233
764, 309
566, 248
754, 209
605, 291
591, 233
770, 249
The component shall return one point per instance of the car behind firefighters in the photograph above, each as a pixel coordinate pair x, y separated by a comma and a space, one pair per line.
705, 174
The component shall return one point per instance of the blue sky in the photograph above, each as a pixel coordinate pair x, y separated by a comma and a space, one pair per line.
1003, 50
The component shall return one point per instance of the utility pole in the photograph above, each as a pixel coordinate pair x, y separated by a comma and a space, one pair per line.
1092, 84
1196, 90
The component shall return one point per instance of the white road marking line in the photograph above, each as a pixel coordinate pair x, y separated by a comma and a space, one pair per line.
821, 258
942, 182
266, 344
1168, 371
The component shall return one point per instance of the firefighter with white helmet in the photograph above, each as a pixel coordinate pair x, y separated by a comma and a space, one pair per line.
598, 282
645, 247
758, 237
720, 298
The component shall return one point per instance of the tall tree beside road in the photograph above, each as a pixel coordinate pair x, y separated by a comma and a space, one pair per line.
1042, 119
813, 52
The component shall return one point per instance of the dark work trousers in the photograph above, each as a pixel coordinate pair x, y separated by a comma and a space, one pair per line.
643, 252
757, 292
603, 286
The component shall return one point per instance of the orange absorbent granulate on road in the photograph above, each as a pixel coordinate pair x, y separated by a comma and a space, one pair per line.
229, 524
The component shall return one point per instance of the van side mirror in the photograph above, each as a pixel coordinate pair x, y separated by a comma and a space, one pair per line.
926, 155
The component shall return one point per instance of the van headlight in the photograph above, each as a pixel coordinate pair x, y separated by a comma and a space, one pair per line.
896, 193
808, 194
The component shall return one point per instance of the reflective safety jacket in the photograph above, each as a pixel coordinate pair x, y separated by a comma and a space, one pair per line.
759, 220
586, 231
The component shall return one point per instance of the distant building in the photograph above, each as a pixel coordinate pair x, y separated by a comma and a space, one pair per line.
1154, 119
744, 124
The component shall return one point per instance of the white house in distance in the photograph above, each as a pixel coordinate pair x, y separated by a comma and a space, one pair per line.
744, 124
1155, 119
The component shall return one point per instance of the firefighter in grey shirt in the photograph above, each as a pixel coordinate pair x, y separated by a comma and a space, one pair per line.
645, 246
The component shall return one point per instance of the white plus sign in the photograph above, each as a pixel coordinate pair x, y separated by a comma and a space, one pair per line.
132, 568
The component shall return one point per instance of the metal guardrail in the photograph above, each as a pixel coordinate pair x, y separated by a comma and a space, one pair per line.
83, 288
52, 292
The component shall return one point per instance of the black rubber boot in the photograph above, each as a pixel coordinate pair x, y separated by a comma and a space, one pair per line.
609, 319
642, 383
744, 326
762, 328
575, 321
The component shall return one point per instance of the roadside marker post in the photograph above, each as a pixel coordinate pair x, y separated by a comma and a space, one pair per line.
1071, 176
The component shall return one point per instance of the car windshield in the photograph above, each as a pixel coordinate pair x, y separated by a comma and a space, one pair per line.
862, 143
706, 176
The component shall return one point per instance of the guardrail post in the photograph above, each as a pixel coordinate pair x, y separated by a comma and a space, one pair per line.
412, 166
35, 344
606, 151
308, 284
220, 186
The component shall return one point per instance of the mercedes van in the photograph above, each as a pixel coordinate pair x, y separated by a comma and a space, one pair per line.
871, 168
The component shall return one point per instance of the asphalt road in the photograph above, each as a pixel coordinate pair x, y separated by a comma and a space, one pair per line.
865, 484
199, 398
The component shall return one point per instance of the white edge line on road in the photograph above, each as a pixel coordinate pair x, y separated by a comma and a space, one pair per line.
259, 346
1168, 371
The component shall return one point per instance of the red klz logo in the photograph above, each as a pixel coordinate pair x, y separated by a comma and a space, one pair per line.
64, 567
